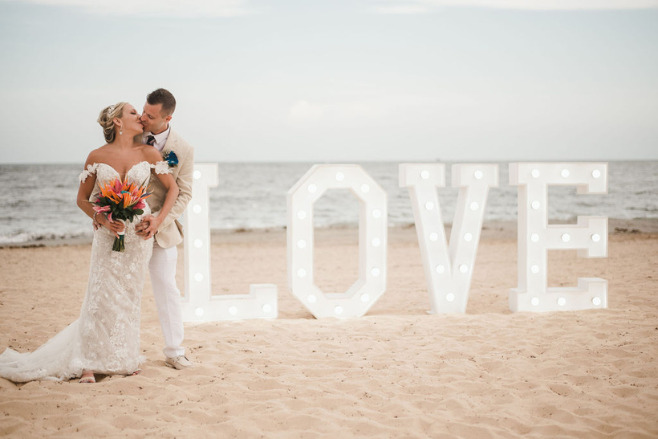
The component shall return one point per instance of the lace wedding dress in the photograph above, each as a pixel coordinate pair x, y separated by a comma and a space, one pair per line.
105, 338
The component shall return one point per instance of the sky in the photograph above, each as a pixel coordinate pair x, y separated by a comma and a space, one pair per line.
338, 81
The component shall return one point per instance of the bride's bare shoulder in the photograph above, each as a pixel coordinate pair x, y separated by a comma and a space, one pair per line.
150, 154
97, 155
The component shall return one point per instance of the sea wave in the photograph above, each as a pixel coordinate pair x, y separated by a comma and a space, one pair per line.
253, 196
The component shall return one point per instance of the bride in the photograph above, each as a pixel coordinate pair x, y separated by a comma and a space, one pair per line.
105, 338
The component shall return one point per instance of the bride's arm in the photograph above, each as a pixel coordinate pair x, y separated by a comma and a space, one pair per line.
170, 185
87, 182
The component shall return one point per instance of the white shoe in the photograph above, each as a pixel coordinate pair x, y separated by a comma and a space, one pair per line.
180, 362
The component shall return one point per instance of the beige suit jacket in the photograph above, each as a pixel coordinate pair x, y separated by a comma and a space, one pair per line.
170, 232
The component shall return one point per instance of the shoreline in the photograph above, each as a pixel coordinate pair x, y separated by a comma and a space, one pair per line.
490, 230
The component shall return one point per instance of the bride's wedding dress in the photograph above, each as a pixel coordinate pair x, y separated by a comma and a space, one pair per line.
105, 338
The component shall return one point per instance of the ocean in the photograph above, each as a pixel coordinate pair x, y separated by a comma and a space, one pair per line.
38, 202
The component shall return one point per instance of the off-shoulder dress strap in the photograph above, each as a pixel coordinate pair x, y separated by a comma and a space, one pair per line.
91, 169
161, 167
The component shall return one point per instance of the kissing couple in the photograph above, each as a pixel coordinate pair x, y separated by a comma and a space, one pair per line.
133, 188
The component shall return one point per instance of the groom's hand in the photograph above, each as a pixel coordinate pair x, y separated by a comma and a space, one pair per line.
142, 226
147, 227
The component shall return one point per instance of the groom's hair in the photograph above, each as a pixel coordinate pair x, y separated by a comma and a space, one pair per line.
164, 97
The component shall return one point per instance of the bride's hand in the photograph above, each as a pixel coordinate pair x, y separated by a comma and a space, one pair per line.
113, 226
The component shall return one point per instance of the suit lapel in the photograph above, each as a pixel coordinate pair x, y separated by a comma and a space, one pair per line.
172, 145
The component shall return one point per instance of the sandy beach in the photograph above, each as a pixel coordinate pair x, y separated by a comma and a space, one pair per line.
396, 372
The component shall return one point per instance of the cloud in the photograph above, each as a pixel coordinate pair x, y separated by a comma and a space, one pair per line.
159, 8
355, 111
425, 6
303, 110
405, 9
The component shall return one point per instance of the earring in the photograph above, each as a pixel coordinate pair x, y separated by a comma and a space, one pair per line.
120, 131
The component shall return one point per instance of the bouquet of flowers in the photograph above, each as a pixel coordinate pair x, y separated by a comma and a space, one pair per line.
122, 201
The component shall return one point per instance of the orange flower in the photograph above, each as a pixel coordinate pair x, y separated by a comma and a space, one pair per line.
127, 199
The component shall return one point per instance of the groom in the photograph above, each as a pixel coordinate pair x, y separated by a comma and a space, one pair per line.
158, 109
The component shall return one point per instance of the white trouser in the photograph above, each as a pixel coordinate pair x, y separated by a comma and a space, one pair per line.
167, 298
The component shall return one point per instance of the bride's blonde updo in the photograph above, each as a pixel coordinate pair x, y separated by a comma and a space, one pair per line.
106, 120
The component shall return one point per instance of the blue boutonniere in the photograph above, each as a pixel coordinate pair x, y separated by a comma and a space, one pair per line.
171, 159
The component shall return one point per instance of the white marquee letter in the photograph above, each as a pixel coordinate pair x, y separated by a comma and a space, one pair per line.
448, 274
198, 304
372, 241
589, 236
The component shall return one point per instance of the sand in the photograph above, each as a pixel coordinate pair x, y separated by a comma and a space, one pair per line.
396, 372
